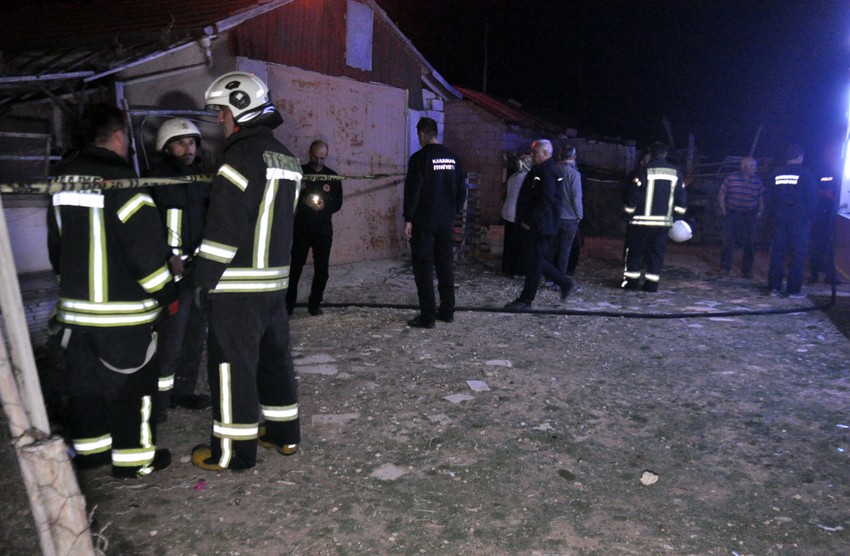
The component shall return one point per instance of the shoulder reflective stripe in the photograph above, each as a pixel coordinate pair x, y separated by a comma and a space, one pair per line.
174, 225
96, 445
255, 273
216, 251
234, 431
234, 177
156, 280
98, 278
165, 383
282, 174
130, 208
133, 457
114, 307
787, 179
280, 413
78, 199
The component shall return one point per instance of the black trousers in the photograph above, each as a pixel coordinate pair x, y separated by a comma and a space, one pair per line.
512, 257
645, 246
181, 345
112, 383
432, 251
302, 242
250, 372
536, 249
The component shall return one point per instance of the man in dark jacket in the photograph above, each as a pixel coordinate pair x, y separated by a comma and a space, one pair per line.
109, 250
183, 208
434, 193
318, 200
792, 200
243, 264
538, 215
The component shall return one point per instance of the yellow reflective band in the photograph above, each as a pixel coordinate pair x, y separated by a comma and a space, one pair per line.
78, 199
97, 257
134, 457
173, 226
280, 413
156, 280
226, 452
787, 179
652, 277
89, 446
215, 251
107, 320
234, 431
234, 177
130, 208
165, 383
224, 388
247, 287
680, 210
145, 433
242, 273
630, 210
263, 227
282, 174
111, 307
631, 274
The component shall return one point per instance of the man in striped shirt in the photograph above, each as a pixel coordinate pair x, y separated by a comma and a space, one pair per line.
741, 202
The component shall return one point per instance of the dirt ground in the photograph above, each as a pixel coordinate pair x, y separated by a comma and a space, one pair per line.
744, 420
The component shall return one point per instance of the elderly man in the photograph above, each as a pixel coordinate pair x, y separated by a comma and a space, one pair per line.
741, 202
538, 215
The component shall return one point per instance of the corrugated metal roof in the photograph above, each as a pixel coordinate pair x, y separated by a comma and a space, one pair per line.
509, 114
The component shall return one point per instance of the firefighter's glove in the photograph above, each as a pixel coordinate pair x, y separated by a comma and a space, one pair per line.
200, 297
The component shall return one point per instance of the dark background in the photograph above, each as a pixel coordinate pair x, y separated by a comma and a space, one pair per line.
614, 68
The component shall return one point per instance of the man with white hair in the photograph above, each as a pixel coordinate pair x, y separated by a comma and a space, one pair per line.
537, 213
741, 202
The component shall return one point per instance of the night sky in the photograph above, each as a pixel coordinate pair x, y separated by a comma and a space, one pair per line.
614, 68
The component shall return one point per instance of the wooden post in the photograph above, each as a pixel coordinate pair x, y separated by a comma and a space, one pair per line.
58, 507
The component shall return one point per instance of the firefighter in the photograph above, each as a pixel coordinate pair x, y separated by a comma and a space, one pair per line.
183, 209
241, 273
655, 197
109, 251
792, 198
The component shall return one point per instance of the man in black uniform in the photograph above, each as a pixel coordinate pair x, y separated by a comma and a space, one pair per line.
109, 250
317, 201
434, 193
654, 197
243, 264
183, 209
538, 214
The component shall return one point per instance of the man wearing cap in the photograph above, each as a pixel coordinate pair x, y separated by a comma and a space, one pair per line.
183, 209
792, 198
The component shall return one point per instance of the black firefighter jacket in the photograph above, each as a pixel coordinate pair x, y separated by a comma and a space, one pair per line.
538, 204
248, 237
183, 207
108, 248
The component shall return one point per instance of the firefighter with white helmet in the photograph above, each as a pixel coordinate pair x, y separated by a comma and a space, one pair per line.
183, 209
655, 199
241, 274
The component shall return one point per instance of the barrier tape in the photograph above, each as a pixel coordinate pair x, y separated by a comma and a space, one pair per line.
94, 183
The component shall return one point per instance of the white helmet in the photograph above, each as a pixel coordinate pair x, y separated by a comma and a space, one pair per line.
244, 93
681, 231
174, 128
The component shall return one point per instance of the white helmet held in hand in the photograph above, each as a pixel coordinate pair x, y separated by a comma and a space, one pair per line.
681, 231
174, 128
244, 93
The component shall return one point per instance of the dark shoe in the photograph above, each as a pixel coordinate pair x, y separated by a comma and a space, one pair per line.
445, 317
286, 449
161, 460
315, 311
518, 306
774, 293
190, 401
650, 287
202, 457
420, 322
631, 285
747, 275
564, 292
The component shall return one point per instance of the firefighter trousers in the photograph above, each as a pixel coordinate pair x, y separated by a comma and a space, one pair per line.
112, 382
645, 245
250, 373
